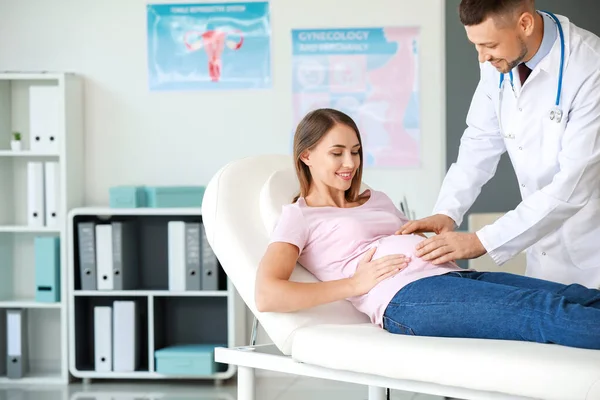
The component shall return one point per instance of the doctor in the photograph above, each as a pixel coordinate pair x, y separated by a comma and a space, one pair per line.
538, 99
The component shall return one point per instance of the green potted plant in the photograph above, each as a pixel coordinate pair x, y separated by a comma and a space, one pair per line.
15, 143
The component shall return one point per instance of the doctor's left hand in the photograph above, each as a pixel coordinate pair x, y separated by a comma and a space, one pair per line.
450, 246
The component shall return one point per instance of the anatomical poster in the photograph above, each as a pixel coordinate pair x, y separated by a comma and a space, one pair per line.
371, 74
209, 46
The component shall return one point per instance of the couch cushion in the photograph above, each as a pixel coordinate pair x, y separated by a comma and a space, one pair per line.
279, 189
520, 368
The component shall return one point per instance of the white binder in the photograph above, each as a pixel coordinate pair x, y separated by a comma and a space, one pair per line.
52, 192
35, 194
103, 341
104, 257
17, 356
44, 118
125, 343
176, 247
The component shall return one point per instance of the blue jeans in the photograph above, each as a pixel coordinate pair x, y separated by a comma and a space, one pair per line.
496, 305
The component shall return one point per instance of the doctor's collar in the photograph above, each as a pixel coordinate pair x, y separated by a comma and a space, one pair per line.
549, 38
551, 62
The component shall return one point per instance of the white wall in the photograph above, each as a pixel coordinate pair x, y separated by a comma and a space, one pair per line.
133, 136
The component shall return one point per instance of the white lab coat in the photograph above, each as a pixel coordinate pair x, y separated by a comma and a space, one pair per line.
557, 165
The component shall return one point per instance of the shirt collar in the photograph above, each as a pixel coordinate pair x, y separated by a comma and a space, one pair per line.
548, 40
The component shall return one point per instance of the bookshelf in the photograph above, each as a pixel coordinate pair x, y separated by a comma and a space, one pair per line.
46, 322
165, 317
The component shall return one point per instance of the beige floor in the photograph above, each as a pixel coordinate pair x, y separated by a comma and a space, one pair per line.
268, 388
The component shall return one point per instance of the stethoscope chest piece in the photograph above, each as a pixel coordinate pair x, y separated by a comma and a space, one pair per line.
556, 114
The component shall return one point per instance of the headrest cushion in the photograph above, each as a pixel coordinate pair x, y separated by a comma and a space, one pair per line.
280, 189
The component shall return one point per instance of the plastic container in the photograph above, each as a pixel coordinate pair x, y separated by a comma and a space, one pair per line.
174, 196
127, 197
187, 359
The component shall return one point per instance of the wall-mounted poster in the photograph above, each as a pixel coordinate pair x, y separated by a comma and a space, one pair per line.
370, 74
209, 46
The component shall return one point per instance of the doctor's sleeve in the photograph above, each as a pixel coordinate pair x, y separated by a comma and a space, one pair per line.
481, 147
571, 188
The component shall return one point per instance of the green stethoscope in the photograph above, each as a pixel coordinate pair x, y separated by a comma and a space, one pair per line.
556, 114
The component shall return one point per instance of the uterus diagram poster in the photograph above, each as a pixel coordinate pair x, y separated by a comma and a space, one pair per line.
371, 74
209, 46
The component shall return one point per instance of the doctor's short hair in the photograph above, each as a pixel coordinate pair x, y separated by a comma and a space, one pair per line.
313, 127
474, 12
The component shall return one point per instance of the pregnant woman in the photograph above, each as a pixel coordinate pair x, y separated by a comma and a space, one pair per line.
349, 241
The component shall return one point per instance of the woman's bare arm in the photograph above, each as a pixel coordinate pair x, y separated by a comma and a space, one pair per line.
274, 291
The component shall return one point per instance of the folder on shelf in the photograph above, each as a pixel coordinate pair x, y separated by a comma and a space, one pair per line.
52, 193
35, 193
176, 255
103, 342
193, 277
44, 118
104, 256
86, 240
3, 354
16, 344
210, 265
125, 255
47, 269
126, 348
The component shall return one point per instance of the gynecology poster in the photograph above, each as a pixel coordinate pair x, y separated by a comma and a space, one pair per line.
370, 74
209, 46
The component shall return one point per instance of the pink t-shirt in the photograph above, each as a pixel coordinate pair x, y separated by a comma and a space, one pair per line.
332, 241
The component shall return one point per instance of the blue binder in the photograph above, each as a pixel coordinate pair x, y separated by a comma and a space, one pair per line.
47, 269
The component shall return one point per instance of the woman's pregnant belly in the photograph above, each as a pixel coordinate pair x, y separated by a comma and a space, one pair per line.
374, 302
399, 244
405, 245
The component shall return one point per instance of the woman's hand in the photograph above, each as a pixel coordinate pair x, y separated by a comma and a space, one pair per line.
370, 273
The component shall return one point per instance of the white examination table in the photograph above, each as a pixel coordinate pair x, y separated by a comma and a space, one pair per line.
337, 342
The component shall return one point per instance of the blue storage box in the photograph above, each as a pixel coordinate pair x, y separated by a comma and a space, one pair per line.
187, 359
127, 196
174, 196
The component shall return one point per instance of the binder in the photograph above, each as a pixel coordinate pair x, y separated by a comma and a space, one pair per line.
35, 194
104, 257
86, 240
125, 255
126, 349
210, 265
3, 339
103, 339
47, 269
193, 277
16, 344
176, 255
52, 193
44, 118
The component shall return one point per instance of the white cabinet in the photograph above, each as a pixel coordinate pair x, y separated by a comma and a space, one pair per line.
20, 106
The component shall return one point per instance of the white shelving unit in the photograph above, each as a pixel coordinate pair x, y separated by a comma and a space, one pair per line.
47, 322
166, 317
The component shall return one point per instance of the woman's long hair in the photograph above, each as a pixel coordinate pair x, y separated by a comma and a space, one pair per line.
313, 127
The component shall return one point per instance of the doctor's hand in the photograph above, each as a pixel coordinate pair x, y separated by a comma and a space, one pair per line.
438, 223
450, 246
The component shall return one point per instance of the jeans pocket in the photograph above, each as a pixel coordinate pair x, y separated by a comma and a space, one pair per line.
396, 327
